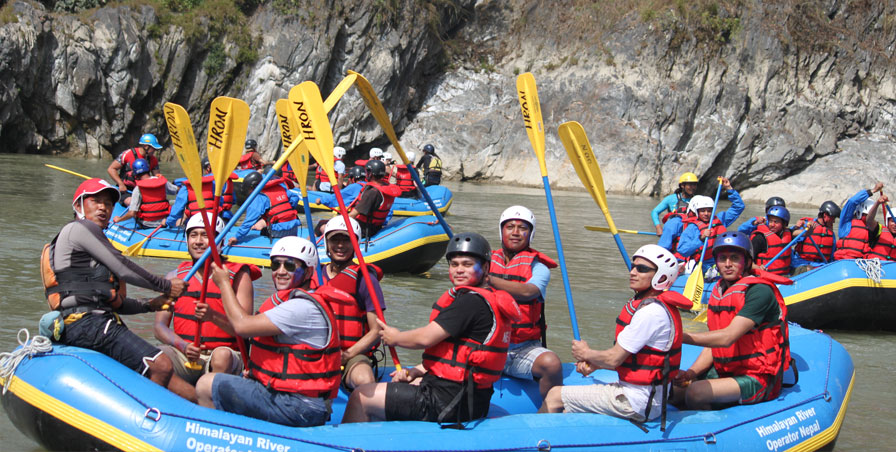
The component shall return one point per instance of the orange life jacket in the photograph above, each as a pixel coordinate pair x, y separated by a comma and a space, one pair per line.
651, 366
531, 326
351, 315
822, 236
97, 283
154, 203
211, 335
852, 246
281, 210
717, 229
297, 367
208, 195
378, 217
774, 245
884, 249
764, 350
457, 359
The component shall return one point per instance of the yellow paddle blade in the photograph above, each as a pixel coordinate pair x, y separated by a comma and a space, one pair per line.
66, 171
135, 248
308, 108
574, 139
181, 131
528, 95
379, 112
289, 129
693, 288
339, 91
701, 317
227, 125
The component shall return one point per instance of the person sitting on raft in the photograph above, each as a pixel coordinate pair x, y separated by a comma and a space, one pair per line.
749, 226
355, 318
273, 211
647, 349
882, 244
677, 202
770, 238
470, 323
85, 278
321, 180
401, 177
216, 350
251, 159
373, 207
698, 227
186, 205
149, 200
121, 170
357, 179
816, 246
855, 224
524, 273
746, 348
295, 356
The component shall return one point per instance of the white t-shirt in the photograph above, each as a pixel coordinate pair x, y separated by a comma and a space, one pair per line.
650, 326
338, 168
301, 321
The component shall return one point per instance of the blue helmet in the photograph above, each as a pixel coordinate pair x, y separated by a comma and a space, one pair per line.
780, 212
733, 239
140, 166
150, 140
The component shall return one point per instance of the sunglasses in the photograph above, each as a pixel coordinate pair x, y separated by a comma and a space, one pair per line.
288, 264
641, 268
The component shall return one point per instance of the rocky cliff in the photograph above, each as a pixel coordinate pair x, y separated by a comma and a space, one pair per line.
789, 98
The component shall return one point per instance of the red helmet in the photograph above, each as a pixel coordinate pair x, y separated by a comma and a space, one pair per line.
92, 187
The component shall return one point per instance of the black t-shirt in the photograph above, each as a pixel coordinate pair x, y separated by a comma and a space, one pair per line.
760, 245
370, 200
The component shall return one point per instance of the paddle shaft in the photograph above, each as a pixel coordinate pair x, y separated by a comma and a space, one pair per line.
627, 231
712, 218
308, 220
818, 248
560, 257
65, 171
429, 201
784, 250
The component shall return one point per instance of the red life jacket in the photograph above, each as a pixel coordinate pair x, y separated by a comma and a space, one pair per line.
247, 163
378, 217
717, 229
184, 323
651, 366
884, 249
126, 172
288, 173
774, 245
403, 179
208, 195
681, 209
531, 325
153, 199
764, 350
852, 246
281, 210
321, 175
822, 236
455, 359
351, 315
297, 367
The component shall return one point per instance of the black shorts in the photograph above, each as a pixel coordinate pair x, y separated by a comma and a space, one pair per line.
107, 335
407, 402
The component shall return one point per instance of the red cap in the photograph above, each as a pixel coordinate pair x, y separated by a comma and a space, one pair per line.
92, 187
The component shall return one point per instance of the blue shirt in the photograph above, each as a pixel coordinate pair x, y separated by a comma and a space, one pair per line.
668, 204
541, 276
349, 193
259, 206
671, 231
849, 211
690, 239
180, 205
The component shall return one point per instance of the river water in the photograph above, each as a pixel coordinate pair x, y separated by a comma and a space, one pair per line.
35, 202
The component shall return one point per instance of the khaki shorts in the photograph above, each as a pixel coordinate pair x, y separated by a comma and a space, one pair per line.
601, 398
178, 359
352, 362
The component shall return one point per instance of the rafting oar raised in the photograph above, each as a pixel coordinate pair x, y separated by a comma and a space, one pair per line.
65, 171
693, 287
625, 231
379, 113
317, 133
135, 248
574, 139
532, 120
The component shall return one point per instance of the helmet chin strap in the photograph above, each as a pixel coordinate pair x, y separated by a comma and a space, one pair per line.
80, 213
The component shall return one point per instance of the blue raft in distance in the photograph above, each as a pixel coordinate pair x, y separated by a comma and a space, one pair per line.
402, 207
76, 399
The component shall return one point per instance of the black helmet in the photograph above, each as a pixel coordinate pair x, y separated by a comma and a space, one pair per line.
357, 173
774, 201
375, 168
831, 208
428, 148
206, 164
251, 180
251, 144
469, 243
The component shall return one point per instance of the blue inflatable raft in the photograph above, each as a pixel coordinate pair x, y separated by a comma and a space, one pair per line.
411, 245
838, 295
76, 399
402, 207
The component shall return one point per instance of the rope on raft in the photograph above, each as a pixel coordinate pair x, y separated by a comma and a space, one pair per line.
9, 361
872, 269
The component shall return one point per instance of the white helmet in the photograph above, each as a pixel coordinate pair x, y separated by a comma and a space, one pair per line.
296, 248
411, 156
517, 213
339, 152
700, 202
387, 156
864, 208
376, 152
337, 223
666, 264
196, 222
